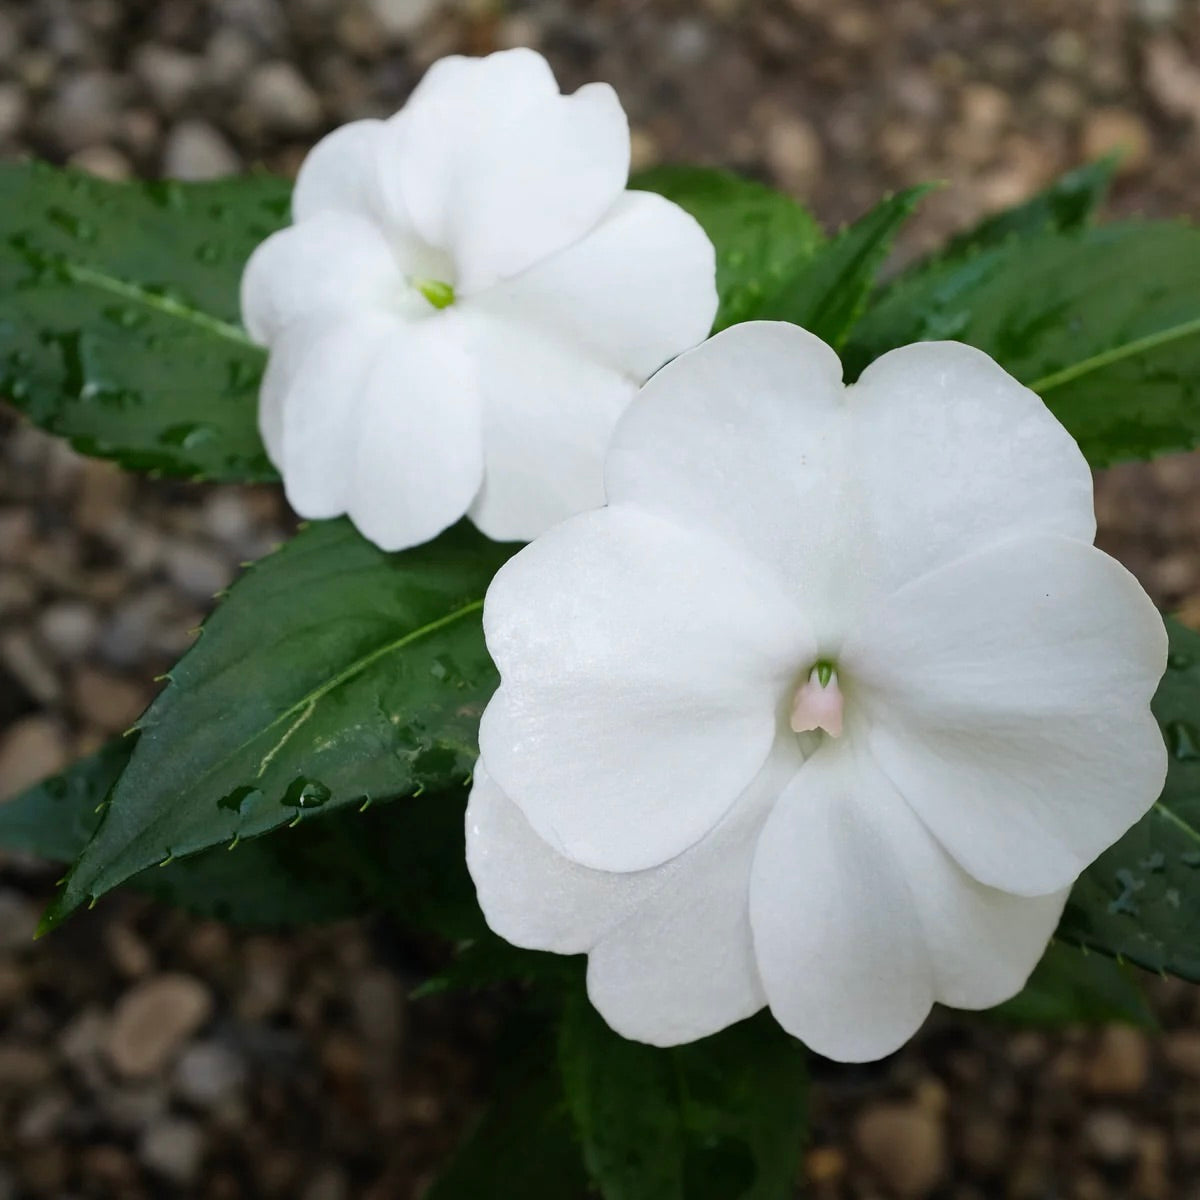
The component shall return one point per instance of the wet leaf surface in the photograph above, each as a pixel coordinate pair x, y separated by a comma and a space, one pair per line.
1140, 900
333, 674
1103, 323
120, 327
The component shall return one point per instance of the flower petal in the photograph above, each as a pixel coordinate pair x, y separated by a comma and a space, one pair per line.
530, 894
644, 671
636, 291
746, 436
1008, 698
671, 952
340, 173
499, 169
861, 921
333, 263
309, 406
419, 453
549, 413
541, 183
958, 455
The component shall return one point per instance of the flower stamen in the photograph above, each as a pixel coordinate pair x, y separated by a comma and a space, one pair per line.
439, 294
819, 703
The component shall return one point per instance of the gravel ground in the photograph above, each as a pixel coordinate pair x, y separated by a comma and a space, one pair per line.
145, 1054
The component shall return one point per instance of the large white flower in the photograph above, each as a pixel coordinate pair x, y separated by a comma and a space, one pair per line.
825, 711
467, 301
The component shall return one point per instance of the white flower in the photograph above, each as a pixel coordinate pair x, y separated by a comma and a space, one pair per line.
467, 301
903, 571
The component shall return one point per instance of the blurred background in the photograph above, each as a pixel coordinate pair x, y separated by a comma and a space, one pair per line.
147, 1054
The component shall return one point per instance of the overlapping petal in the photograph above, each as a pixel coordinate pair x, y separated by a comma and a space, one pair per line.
630, 294
672, 957
335, 264
956, 455
312, 402
1007, 697
418, 457
861, 920
548, 412
848, 492
499, 169
745, 436
643, 668
341, 173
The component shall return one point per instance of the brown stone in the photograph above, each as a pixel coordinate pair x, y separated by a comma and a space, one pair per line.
30, 750
1109, 130
107, 701
1121, 1063
904, 1146
1181, 1049
153, 1021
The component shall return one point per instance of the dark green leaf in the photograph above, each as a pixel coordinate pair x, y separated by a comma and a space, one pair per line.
1141, 899
406, 856
827, 293
1068, 203
56, 818
486, 960
1104, 324
523, 1147
1072, 987
332, 674
720, 1119
761, 236
120, 328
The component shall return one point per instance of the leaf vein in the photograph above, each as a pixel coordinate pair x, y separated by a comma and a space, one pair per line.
162, 304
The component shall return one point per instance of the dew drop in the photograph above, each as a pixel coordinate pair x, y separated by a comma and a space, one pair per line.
236, 800
306, 793
78, 227
1130, 886
243, 375
187, 435
125, 316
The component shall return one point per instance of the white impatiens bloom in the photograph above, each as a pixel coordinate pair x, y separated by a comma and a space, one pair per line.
467, 301
825, 711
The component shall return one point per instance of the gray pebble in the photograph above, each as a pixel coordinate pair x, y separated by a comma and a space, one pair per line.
195, 150
174, 1148
282, 99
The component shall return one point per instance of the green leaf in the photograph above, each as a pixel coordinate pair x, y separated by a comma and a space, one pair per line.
523, 1147
1068, 203
761, 236
332, 674
1104, 324
485, 960
720, 1119
1072, 987
56, 818
120, 328
826, 293
406, 856
1140, 901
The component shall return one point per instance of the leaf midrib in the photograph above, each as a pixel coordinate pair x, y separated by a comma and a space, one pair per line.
161, 304
1128, 350
312, 698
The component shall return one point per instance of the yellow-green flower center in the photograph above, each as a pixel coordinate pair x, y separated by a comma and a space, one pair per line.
439, 294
